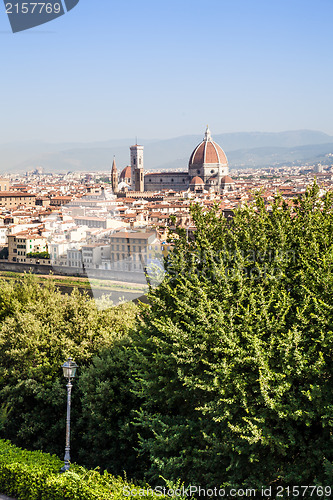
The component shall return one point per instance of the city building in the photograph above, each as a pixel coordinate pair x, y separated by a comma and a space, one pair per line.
11, 199
21, 244
131, 251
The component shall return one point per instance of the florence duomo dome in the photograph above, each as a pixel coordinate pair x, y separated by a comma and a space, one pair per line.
208, 169
209, 162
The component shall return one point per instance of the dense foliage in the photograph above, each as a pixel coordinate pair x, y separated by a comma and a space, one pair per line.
39, 329
235, 354
224, 379
108, 437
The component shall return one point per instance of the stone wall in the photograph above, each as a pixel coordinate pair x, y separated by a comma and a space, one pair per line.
131, 277
177, 181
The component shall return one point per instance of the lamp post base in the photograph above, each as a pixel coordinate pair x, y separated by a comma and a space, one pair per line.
65, 468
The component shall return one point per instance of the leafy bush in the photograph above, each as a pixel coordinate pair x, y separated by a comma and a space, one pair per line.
35, 476
38, 255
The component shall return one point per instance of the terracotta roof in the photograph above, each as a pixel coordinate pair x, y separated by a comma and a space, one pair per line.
226, 180
208, 152
126, 173
9, 194
197, 180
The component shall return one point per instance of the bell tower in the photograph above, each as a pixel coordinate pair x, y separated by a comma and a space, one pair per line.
137, 176
114, 176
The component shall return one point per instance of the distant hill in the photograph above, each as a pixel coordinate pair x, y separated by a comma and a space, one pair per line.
243, 149
261, 157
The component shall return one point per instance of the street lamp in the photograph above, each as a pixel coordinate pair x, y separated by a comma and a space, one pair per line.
69, 368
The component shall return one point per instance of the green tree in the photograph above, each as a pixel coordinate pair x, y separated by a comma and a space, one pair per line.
234, 360
107, 434
39, 329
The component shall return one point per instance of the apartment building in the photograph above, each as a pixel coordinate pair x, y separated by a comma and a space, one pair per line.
21, 244
132, 251
58, 252
74, 258
92, 256
12, 199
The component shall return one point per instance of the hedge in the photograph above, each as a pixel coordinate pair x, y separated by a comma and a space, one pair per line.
34, 475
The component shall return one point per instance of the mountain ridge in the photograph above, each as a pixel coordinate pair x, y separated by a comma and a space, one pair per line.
243, 149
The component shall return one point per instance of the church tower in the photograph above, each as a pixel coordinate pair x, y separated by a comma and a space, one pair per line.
114, 176
137, 180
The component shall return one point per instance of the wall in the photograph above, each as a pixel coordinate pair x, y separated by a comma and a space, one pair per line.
130, 277
177, 181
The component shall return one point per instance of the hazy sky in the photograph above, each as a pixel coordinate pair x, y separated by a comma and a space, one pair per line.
161, 69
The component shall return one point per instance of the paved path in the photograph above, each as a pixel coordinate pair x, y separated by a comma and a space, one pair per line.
3, 497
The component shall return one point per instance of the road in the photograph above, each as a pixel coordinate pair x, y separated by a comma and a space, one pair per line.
3, 497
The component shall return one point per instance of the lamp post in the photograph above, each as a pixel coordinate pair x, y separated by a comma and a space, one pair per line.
69, 368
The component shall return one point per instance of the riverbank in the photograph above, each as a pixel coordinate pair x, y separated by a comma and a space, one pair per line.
117, 291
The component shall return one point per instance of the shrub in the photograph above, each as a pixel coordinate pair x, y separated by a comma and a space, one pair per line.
38, 255
35, 476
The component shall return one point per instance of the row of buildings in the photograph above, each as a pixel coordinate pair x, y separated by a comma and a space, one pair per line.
78, 224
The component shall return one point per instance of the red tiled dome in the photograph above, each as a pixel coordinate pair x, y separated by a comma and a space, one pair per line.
126, 173
227, 180
196, 180
207, 152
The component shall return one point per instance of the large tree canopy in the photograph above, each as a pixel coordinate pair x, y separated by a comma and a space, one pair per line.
234, 362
